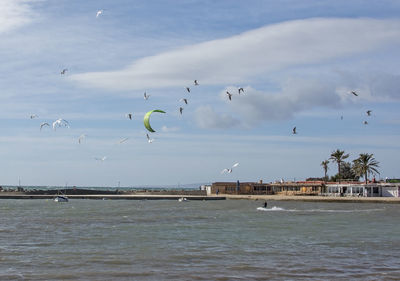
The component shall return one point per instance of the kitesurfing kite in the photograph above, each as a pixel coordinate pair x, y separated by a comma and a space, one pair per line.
146, 119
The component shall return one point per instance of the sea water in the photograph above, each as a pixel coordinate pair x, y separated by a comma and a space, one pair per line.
198, 240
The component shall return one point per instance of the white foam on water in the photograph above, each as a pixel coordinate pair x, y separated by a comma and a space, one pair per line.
318, 210
274, 208
341, 211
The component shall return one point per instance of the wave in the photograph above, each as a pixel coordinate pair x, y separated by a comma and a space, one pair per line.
318, 210
274, 208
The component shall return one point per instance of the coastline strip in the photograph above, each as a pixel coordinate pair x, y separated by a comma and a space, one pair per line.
113, 197
390, 200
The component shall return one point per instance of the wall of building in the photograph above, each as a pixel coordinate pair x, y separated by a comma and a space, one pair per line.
390, 191
253, 188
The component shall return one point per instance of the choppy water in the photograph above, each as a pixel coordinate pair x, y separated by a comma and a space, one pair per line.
198, 240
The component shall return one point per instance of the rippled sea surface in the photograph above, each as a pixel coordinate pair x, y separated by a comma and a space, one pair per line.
198, 240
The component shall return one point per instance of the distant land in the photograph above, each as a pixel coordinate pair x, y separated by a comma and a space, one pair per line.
47, 187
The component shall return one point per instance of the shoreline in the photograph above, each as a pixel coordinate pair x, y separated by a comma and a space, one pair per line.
389, 200
16, 195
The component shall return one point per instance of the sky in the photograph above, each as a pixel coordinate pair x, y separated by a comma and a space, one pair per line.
296, 60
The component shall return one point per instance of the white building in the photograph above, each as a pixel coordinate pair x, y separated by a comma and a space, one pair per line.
363, 190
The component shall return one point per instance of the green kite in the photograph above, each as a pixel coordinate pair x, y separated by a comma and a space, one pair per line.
146, 119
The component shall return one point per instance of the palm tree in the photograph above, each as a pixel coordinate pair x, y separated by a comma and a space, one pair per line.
324, 165
338, 156
365, 164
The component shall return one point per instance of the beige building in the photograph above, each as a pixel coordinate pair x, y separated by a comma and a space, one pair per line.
260, 188
358, 189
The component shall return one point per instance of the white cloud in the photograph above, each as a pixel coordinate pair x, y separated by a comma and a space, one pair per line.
264, 50
297, 95
207, 118
372, 86
14, 13
166, 129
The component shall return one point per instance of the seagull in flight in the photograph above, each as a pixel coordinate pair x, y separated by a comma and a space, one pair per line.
149, 139
123, 140
181, 110
354, 93
226, 170
229, 95
196, 83
184, 100
60, 122
240, 90
369, 112
188, 89
129, 115
64, 71
146, 96
34, 116
101, 159
81, 137
44, 124
365, 123
99, 12
294, 131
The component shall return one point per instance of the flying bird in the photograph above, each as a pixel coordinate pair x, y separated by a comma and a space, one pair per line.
129, 115
146, 96
354, 93
60, 122
369, 112
101, 159
240, 90
81, 137
34, 116
123, 140
44, 124
365, 123
294, 131
99, 12
149, 139
196, 83
188, 89
229, 170
181, 110
63, 71
229, 95
184, 100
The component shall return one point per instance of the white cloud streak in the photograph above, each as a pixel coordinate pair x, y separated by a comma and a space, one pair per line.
260, 51
207, 118
14, 14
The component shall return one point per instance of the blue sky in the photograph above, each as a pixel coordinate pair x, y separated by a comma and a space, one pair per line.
296, 60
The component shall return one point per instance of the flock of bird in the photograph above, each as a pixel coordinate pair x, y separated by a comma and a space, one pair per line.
64, 123
368, 112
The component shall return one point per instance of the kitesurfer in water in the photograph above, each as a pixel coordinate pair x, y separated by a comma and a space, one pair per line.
265, 204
